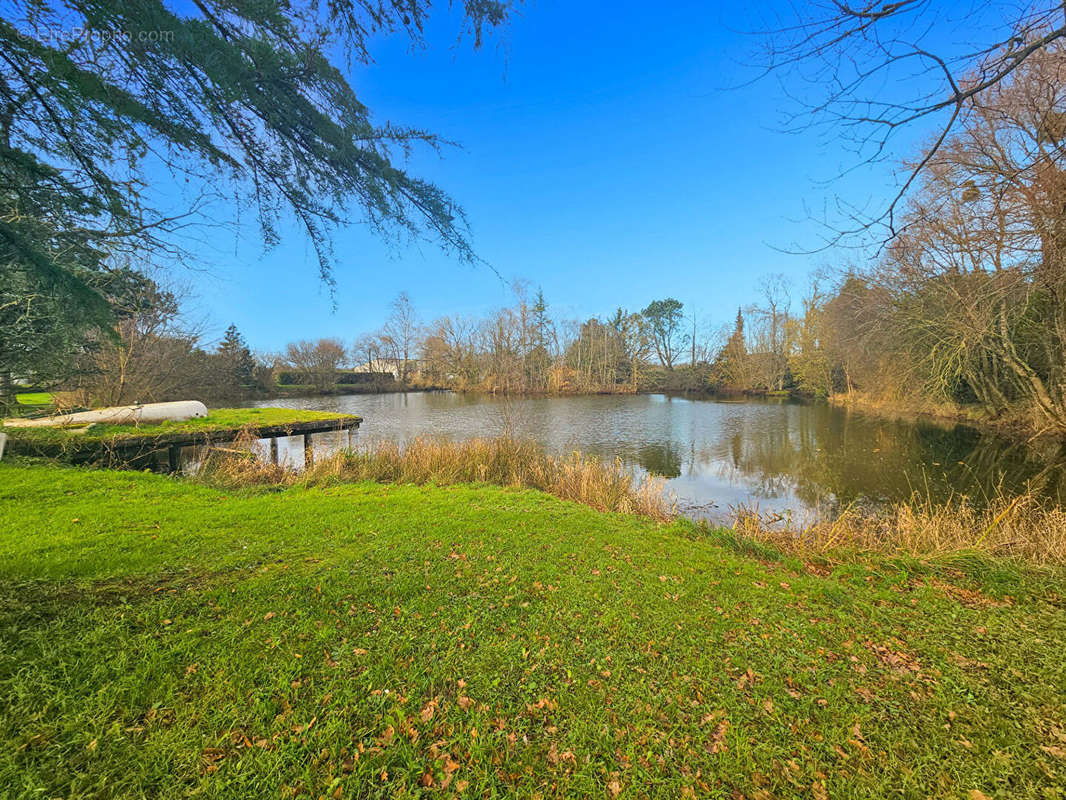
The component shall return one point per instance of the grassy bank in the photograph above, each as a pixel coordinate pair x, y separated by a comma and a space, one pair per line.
33, 398
219, 419
165, 638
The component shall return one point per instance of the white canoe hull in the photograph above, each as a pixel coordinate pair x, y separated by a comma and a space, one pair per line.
145, 414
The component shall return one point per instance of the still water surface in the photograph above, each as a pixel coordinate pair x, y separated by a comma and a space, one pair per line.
779, 456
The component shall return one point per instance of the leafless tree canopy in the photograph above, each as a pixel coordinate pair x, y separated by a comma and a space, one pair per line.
864, 72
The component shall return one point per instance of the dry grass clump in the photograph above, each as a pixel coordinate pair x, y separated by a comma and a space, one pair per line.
503, 461
1023, 527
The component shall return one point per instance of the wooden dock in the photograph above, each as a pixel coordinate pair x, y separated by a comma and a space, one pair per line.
147, 450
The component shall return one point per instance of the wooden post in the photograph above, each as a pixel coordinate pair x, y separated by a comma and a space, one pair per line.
274, 450
174, 457
308, 451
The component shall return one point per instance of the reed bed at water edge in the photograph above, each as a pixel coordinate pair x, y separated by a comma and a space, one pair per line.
503, 461
1023, 527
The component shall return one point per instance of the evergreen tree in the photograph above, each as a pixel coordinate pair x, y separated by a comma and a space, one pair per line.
735, 345
539, 360
730, 366
541, 321
236, 100
236, 358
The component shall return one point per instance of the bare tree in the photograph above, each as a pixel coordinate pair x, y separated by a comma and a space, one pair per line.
317, 362
366, 349
400, 333
773, 333
883, 67
978, 279
154, 355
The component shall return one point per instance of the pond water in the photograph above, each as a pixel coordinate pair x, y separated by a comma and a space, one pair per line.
807, 459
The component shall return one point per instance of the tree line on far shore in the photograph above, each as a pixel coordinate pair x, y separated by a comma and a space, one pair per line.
153, 355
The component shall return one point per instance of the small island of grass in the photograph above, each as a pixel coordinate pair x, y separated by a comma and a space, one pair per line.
222, 424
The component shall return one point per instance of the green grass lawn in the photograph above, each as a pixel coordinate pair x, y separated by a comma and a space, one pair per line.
34, 398
161, 638
216, 420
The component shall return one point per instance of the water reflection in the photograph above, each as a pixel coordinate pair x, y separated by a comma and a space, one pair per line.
661, 458
776, 455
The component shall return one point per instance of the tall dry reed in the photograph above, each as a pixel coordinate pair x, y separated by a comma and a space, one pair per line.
504, 461
1023, 527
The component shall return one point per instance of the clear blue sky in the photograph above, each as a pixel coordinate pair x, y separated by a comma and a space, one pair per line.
604, 158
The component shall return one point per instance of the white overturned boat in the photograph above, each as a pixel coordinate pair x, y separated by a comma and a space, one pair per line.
144, 414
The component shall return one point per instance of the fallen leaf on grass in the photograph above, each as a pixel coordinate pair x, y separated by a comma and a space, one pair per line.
896, 659
553, 755
967, 597
211, 756
746, 679
543, 703
387, 735
718, 744
426, 714
298, 729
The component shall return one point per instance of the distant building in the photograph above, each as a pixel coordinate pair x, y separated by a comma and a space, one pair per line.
392, 366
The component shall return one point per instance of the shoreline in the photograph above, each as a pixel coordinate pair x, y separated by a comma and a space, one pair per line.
1007, 428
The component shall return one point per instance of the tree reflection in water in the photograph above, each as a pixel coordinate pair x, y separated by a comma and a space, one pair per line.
777, 455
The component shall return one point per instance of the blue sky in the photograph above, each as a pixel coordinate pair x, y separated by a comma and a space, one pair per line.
605, 157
